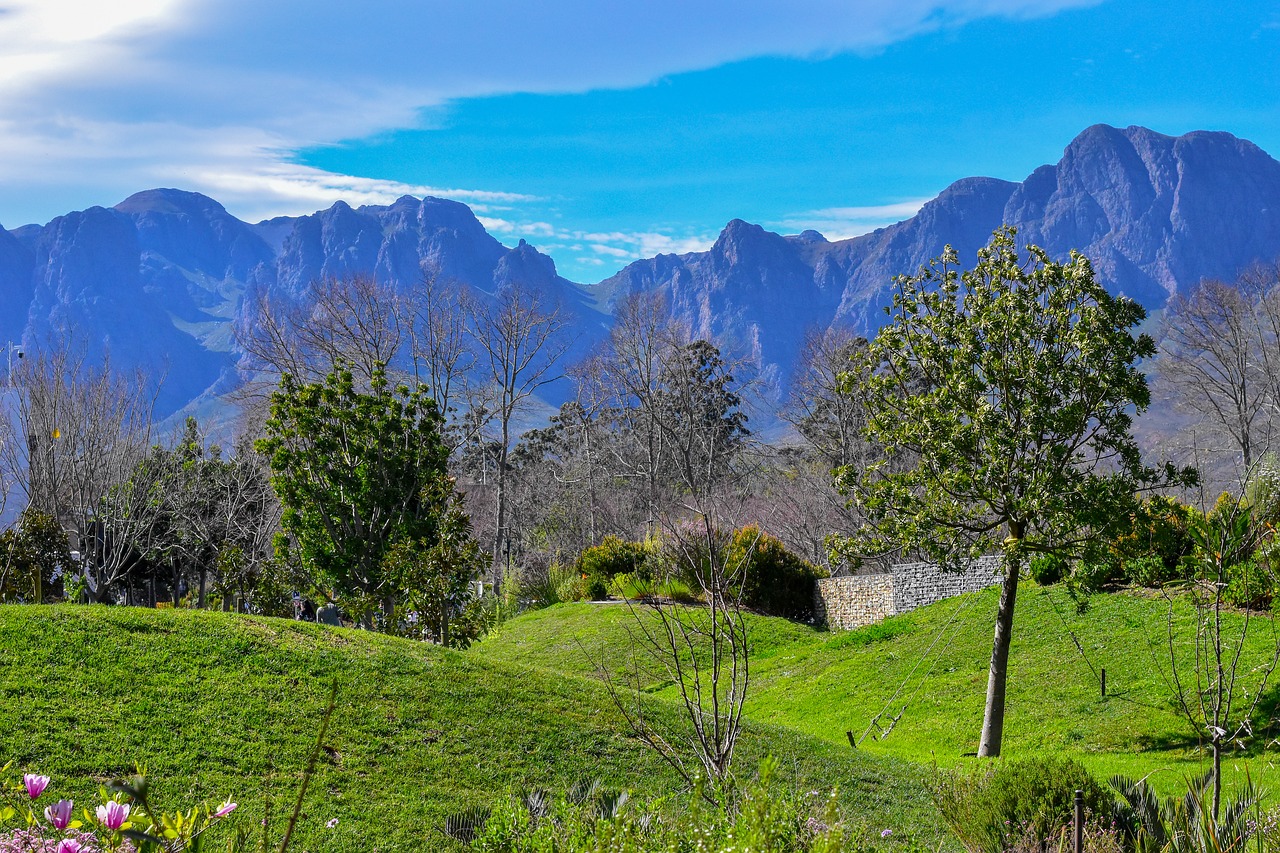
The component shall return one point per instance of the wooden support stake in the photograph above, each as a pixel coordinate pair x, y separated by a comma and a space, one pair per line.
1079, 827
1104, 682
853, 743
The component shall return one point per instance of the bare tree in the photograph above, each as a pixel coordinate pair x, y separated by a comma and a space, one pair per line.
76, 438
703, 650
519, 340
1220, 357
357, 320
1218, 690
440, 348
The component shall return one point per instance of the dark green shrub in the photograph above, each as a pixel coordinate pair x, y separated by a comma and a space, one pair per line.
775, 581
597, 588
615, 556
1250, 584
991, 808
1151, 571
1047, 569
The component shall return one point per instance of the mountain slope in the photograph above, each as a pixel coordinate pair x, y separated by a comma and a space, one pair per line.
1155, 213
159, 279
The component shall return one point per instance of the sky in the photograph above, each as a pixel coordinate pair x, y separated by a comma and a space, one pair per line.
601, 131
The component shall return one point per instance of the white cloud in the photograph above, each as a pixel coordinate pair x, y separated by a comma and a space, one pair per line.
217, 94
841, 223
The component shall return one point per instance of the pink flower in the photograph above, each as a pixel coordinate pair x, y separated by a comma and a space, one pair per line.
113, 815
69, 845
226, 808
59, 814
333, 821
35, 784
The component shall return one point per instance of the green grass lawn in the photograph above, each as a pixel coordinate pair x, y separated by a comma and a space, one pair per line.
825, 684
218, 704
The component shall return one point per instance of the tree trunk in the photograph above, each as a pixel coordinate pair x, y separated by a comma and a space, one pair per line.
1217, 779
993, 716
203, 588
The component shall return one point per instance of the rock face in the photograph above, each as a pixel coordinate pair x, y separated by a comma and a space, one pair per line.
159, 279
1155, 213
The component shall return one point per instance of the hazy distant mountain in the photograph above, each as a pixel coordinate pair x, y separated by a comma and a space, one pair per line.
159, 278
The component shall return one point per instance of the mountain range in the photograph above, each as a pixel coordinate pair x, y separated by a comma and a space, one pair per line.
160, 279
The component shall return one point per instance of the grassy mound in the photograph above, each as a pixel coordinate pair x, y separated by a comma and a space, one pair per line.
825, 684
215, 704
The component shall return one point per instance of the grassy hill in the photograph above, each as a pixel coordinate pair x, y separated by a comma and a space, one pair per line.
825, 684
216, 704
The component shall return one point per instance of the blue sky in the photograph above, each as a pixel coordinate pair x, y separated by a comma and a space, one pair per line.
602, 132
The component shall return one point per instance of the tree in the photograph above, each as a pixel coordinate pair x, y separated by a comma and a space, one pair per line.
1009, 389
1218, 690
1220, 356
34, 555
356, 472
76, 436
519, 342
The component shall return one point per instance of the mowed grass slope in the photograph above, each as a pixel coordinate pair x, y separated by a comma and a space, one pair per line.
218, 704
936, 659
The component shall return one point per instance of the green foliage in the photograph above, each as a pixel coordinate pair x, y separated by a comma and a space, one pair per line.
433, 579
615, 556
765, 817
1186, 824
774, 580
34, 557
597, 588
1011, 386
631, 587
992, 807
1048, 569
357, 473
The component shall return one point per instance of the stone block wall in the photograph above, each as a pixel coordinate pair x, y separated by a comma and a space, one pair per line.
851, 602
918, 584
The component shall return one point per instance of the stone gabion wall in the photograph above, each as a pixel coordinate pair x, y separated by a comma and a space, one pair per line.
918, 584
851, 602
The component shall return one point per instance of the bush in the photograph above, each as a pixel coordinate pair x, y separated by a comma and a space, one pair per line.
630, 587
992, 809
765, 817
775, 581
1250, 584
615, 556
1048, 569
597, 589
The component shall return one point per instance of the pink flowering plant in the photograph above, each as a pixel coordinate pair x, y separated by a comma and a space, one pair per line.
122, 822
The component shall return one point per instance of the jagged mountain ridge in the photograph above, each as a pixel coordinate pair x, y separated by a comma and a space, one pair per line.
1155, 213
159, 279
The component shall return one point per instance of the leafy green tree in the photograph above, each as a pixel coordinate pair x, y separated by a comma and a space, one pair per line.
34, 556
433, 578
1004, 394
357, 473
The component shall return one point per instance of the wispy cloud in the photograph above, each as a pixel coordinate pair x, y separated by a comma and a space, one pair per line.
840, 223
109, 98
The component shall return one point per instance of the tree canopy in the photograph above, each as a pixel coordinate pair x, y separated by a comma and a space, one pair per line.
357, 473
1004, 398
